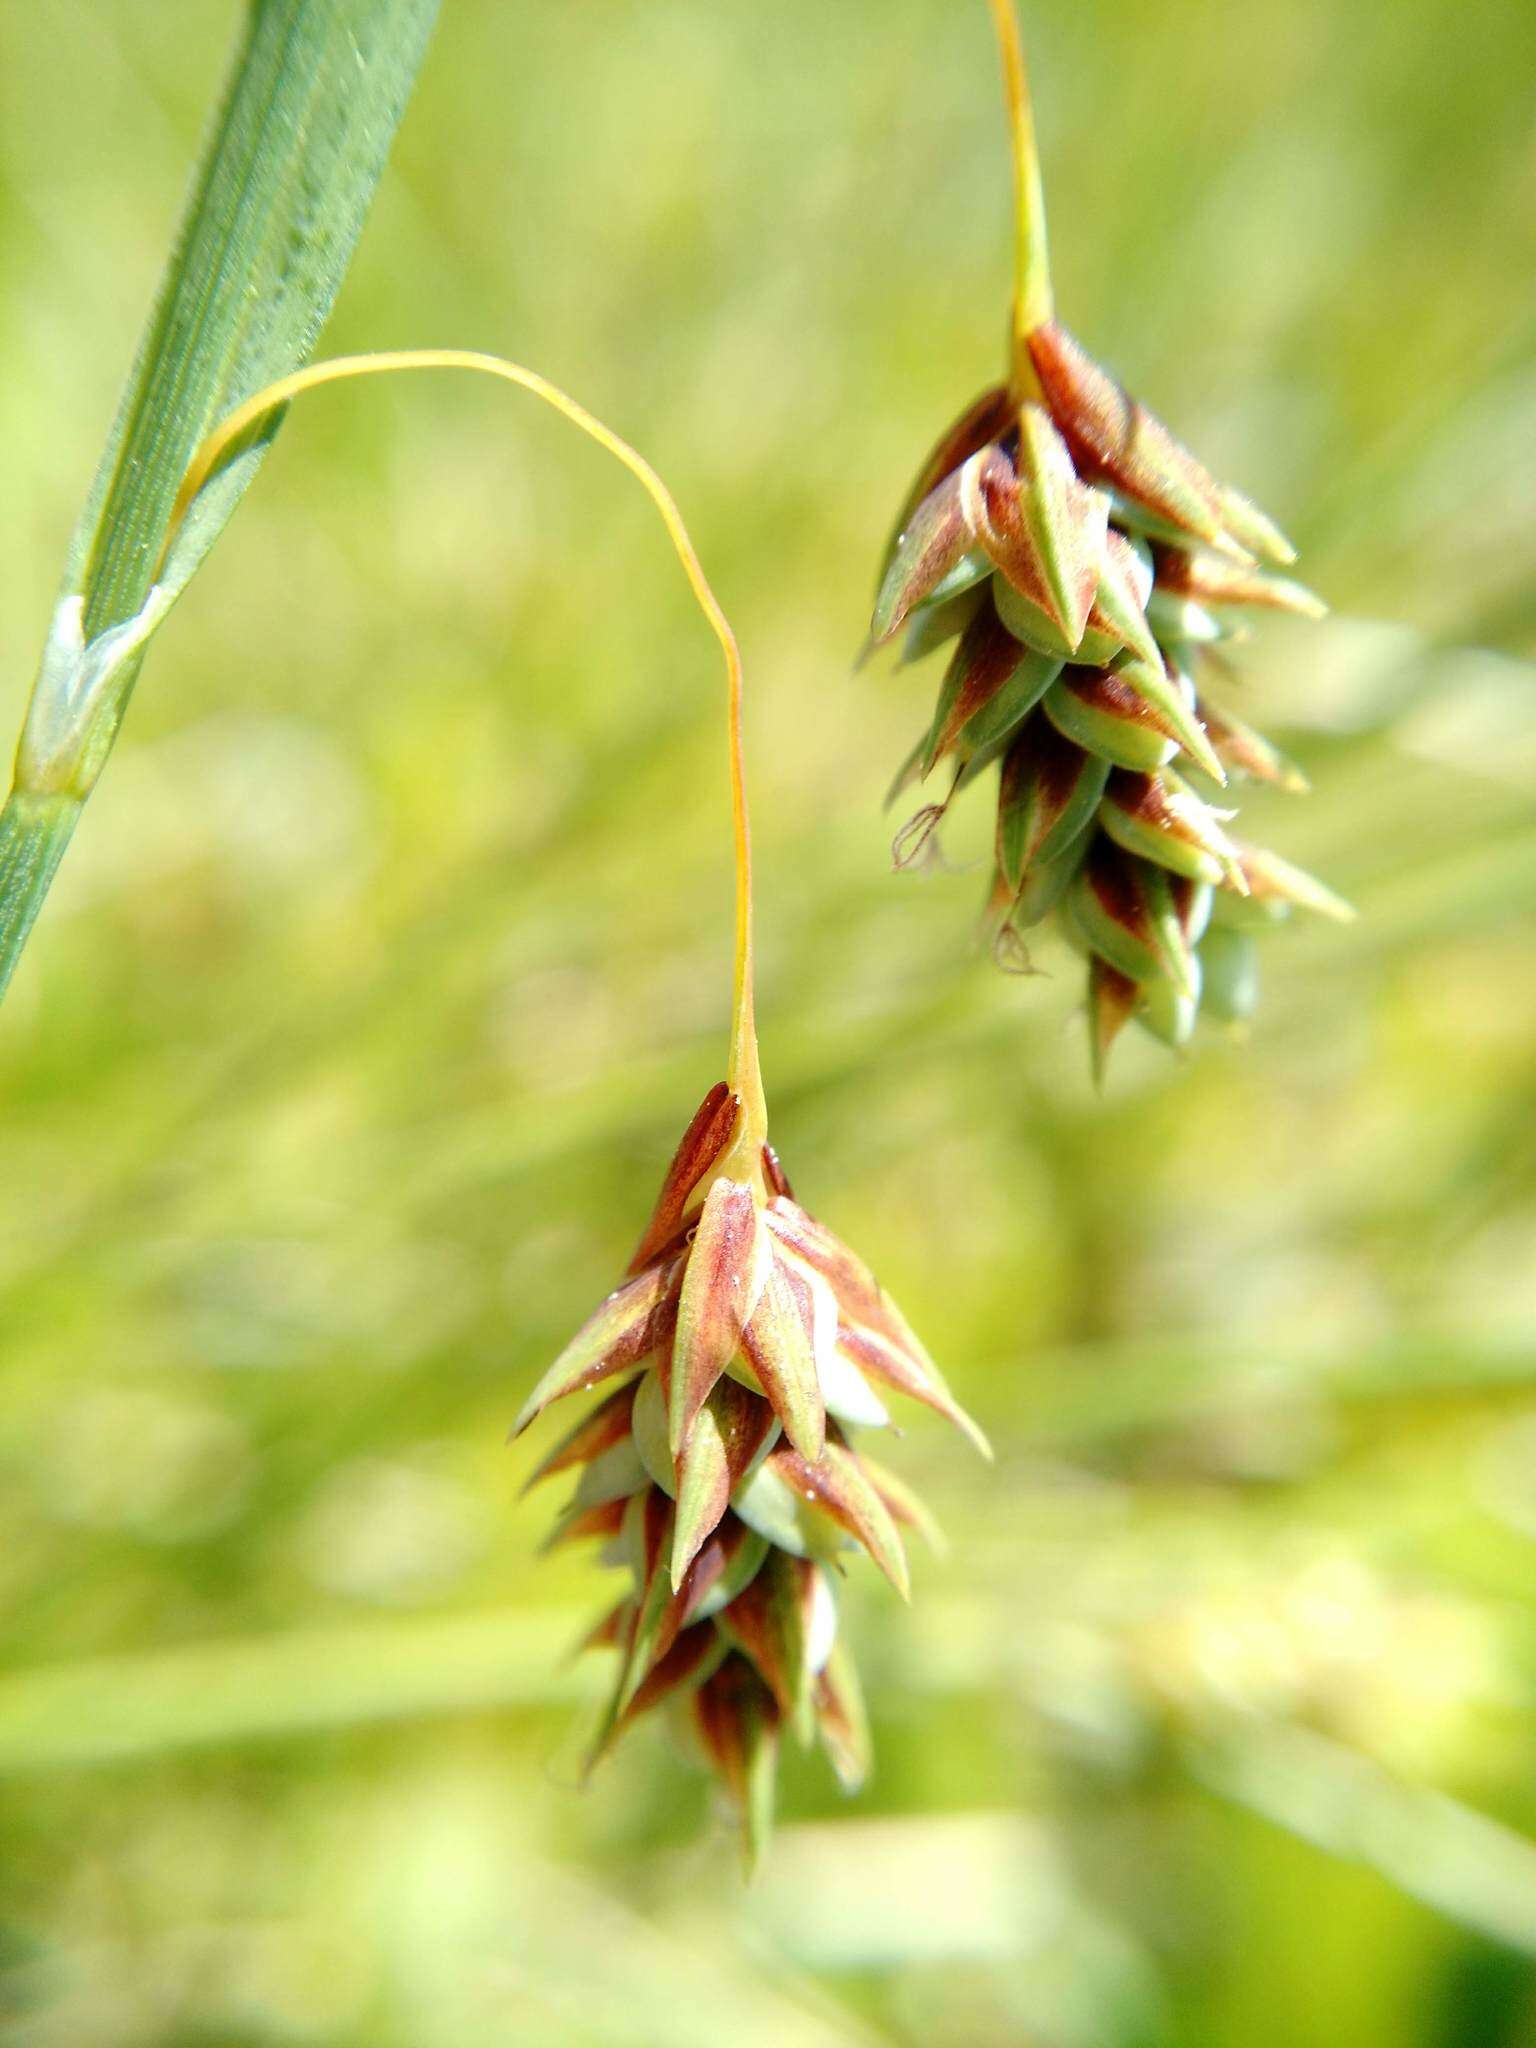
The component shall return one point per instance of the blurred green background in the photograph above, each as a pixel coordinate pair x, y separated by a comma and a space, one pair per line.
393, 955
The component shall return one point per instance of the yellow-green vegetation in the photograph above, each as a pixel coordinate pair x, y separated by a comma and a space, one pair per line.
389, 956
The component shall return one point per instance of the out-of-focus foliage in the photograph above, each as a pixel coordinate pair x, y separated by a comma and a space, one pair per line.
396, 944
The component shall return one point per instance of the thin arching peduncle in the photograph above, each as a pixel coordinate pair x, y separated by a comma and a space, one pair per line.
744, 1074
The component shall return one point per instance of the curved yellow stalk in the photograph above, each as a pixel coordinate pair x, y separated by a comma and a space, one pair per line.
744, 1074
1034, 301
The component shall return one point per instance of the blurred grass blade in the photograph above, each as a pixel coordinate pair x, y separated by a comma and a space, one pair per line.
1454, 1859
295, 155
287, 1684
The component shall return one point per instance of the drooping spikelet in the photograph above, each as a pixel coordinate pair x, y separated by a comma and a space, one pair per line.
739, 1360
1086, 566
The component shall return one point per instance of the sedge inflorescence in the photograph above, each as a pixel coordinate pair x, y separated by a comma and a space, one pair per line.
745, 1355
1088, 569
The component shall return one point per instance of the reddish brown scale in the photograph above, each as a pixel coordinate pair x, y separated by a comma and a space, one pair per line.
678, 1664
1208, 580
714, 1302
1112, 1000
731, 1710
839, 1487
770, 1621
840, 1723
1113, 881
745, 1422
671, 1625
698, 1582
900, 1506
878, 1359
635, 1320
989, 419
651, 1329
1113, 436
655, 1527
1183, 891
1102, 690
607, 1425
1054, 765
779, 1344
1000, 528
655, 1334
702, 1144
857, 1291
858, 1294
986, 658
612, 1630
1058, 763
710, 1566
604, 1521
1177, 571
1139, 796
1146, 799
930, 546
1244, 751
774, 1175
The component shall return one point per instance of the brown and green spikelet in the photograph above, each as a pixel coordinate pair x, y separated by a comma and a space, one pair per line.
739, 1359
1086, 569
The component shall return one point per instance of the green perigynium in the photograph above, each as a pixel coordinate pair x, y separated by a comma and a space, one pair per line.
1083, 565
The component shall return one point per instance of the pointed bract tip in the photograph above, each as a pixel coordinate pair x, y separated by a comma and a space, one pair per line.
1254, 530
1112, 999
977, 1435
1273, 880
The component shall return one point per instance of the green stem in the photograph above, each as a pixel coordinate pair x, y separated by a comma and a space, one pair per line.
315, 96
1034, 300
34, 831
